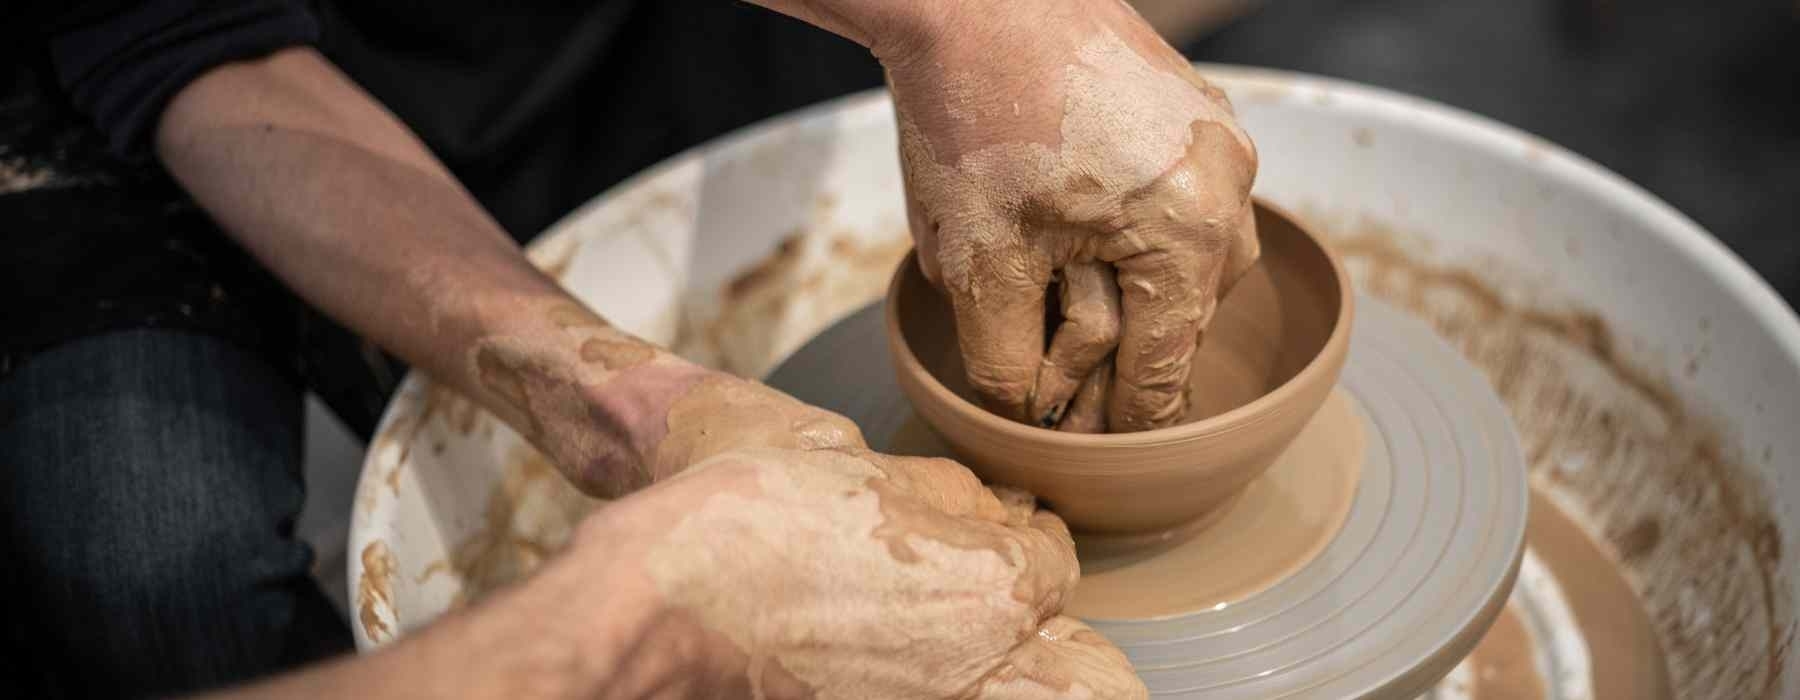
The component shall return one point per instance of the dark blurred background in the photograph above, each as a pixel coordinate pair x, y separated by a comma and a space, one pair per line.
1698, 102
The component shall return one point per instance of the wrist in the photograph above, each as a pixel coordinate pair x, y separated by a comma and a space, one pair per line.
901, 31
592, 398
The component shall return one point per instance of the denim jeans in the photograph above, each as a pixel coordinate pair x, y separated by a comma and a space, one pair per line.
149, 483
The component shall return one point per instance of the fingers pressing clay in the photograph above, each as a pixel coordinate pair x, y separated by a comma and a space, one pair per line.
1087, 411
1168, 297
1169, 292
1089, 331
1108, 149
1065, 659
998, 297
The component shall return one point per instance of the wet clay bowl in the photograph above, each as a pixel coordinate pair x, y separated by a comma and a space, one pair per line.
1267, 362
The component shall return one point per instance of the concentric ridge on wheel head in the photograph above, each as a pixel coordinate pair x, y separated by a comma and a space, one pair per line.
1275, 527
1422, 563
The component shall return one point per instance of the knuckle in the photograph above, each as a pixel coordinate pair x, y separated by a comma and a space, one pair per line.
823, 430
1089, 339
1107, 328
1092, 324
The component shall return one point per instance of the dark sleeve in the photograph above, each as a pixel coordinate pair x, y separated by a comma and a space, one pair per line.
121, 62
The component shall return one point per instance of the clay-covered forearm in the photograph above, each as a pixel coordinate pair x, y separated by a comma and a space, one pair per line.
346, 206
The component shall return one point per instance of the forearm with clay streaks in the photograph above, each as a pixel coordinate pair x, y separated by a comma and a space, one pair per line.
335, 196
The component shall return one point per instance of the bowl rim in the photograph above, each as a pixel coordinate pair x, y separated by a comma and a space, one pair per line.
1271, 403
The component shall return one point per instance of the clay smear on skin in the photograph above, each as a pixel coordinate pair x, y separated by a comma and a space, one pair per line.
529, 375
547, 389
834, 545
1081, 180
721, 413
1690, 523
571, 390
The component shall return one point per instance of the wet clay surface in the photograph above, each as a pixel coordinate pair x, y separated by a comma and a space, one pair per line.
1280, 522
375, 590
1689, 520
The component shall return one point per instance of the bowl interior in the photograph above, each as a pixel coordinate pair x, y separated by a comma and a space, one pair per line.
1267, 328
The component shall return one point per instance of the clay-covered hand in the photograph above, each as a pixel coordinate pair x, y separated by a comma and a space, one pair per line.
758, 538
851, 574
1050, 139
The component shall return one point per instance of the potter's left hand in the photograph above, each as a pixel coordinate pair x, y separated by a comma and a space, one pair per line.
1064, 138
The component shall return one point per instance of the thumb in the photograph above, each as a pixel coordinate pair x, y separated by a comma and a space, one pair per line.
1065, 659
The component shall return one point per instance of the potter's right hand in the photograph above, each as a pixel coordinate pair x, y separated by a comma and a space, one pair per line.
1063, 138
850, 574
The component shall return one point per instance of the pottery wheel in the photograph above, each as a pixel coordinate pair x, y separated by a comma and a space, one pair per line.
1392, 598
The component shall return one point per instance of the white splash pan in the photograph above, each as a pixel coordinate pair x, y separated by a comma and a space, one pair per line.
1543, 228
